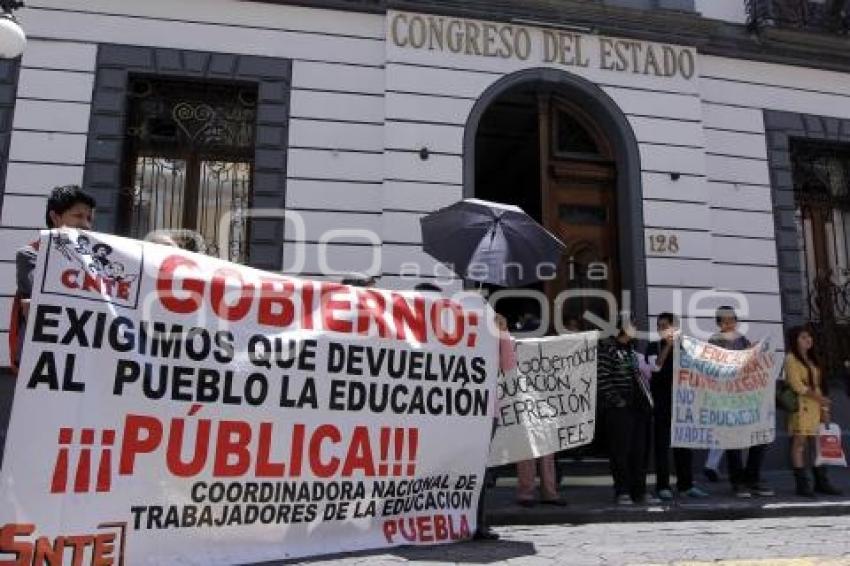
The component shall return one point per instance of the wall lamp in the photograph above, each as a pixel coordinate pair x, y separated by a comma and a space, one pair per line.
12, 36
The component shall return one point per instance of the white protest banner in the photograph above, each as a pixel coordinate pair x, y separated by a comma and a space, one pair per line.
723, 398
177, 409
548, 403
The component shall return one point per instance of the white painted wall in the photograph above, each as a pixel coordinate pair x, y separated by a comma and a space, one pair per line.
729, 10
734, 94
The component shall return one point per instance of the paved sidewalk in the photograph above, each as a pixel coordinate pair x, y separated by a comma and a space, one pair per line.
592, 502
764, 542
722, 531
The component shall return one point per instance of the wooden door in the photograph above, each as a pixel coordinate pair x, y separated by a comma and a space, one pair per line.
580, 207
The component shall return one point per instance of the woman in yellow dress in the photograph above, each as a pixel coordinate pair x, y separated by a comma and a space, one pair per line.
803, 374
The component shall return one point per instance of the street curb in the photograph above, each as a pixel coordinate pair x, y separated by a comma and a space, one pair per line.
671, 513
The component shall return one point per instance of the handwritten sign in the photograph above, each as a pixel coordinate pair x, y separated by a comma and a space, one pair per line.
549, 403
723, 398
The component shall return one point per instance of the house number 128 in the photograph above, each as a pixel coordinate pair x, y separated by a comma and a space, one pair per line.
664, 244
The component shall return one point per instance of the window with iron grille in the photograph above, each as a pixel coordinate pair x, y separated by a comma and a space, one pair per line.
831, 16
822, 192
189, 163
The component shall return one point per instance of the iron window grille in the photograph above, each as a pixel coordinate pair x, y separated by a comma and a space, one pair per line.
829, 16
189, 163
821, 173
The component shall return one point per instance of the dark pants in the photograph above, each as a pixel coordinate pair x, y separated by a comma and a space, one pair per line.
7, 393
740, 475
480, 519
628, 430
682, 457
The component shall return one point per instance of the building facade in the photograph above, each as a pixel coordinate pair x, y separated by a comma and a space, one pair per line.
691, 146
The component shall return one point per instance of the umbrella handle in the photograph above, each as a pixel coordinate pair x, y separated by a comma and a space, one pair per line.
494, 229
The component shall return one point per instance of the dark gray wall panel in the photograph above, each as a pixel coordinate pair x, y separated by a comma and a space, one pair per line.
104, 154
9, 69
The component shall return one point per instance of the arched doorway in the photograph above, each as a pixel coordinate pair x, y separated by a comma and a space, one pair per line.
559, 147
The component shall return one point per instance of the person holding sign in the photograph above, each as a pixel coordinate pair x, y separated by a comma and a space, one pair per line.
507, 362
528, 469
626, 412
804, 375
745, 481
660, 356
67, 207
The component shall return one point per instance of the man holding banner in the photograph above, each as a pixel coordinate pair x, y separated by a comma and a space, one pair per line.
725, 399
660, 356
744, 477
67, 207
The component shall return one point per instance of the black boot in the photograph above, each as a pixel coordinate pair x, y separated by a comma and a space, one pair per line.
822, 484
804, 488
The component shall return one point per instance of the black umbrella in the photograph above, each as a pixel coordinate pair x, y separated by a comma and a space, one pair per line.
493, 243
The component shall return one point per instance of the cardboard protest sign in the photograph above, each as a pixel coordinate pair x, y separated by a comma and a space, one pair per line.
548, 403
174, 408
723, 398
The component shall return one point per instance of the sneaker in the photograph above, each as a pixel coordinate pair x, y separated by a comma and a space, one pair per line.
624, 499
554, 502
665, 495
697, 493
527, 503
741, 492
762, 490
711, 475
